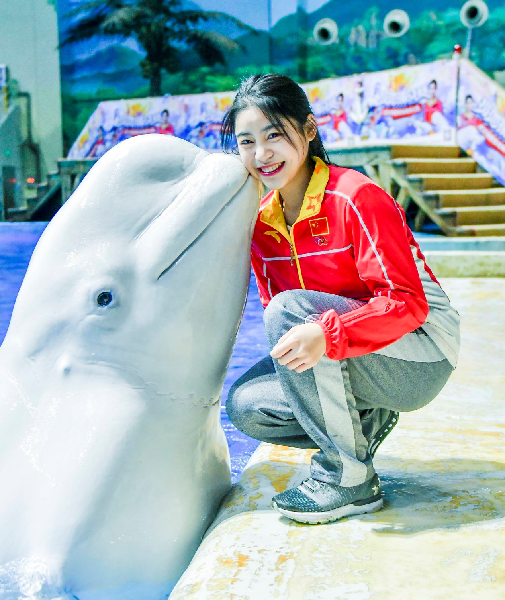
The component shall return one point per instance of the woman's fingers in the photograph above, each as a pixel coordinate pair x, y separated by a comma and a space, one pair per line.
294, 334
286, 335
295, 363
287, 357
284, 345
300, 348
279, 350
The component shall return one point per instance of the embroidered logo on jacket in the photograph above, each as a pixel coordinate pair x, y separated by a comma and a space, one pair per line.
274, 234
319, 227
313, 199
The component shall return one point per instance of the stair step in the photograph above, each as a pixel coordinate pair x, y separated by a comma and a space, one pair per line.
473, 215
436, 165
16, 211
483, 197
481, 230
453, 181
407, 151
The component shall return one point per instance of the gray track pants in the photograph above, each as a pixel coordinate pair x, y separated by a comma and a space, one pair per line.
335, 407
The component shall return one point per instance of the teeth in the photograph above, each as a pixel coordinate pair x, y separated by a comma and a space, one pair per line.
270, 169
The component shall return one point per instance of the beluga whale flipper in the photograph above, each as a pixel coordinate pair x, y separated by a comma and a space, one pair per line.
112, 457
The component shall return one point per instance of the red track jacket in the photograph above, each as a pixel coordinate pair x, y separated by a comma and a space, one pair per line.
350, 239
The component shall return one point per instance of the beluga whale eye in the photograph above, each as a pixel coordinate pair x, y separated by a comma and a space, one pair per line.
104, 298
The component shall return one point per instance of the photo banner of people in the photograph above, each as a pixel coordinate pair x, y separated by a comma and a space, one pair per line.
413, 104
481, 119
196, 118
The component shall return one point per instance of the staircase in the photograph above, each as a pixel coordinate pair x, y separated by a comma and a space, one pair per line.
41, 204
448, 187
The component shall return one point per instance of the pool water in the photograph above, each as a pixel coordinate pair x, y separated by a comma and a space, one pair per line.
17, 241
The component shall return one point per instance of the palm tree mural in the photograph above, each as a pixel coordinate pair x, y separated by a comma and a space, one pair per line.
163, 28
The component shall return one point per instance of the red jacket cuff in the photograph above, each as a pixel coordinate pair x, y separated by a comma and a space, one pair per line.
334, 333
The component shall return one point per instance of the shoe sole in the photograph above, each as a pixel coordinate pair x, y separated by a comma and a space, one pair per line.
383, 432
319, 518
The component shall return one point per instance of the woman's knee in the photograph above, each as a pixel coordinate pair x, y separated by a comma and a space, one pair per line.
278, 305
241, 411
284, 310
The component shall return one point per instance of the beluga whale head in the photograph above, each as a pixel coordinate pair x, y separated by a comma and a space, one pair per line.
112, 457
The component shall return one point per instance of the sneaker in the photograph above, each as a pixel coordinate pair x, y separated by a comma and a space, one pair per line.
315, 501
383, 432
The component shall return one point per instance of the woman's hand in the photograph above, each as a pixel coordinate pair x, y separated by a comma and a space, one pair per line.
301, 347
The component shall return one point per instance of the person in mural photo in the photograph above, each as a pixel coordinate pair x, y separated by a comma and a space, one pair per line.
358, 326
339, 119
98, 149
469, 136
165, 128
468, 118
433, 111
378, 124
359, 110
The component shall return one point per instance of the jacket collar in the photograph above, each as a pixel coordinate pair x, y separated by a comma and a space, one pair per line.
273, 215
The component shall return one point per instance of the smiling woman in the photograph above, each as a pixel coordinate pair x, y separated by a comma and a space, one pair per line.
346, 291
278, 158
272, 124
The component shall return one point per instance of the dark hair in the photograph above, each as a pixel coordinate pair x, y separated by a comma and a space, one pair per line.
433, 81
341, 95
280, 99
469, 96
165, 111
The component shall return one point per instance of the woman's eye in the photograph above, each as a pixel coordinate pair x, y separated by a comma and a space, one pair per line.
245, 142
273, 135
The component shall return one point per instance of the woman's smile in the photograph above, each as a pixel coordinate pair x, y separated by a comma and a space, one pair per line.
272, 169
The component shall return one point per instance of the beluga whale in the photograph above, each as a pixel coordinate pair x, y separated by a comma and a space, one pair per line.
112, 458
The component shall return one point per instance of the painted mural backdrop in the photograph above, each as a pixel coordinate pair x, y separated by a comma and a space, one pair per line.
195, 118
410, 103
481, 119
108, 67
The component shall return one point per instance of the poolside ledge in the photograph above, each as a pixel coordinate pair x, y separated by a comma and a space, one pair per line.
441, 533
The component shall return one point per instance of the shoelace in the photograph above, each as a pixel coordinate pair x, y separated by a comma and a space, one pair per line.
326, 491
311, 484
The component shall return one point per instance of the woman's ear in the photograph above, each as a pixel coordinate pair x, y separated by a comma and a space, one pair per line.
310, 127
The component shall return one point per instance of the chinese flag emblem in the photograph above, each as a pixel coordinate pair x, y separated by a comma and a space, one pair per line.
319, 226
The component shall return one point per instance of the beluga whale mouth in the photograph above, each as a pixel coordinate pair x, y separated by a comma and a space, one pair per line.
112, 457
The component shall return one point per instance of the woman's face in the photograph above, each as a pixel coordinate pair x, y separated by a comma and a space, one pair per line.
267, 153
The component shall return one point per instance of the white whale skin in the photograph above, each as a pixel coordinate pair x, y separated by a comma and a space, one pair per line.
112, 457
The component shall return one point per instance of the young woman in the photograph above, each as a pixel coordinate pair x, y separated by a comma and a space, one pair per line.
358, 326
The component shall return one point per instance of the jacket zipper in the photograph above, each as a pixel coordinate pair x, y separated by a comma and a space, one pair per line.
294, 258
